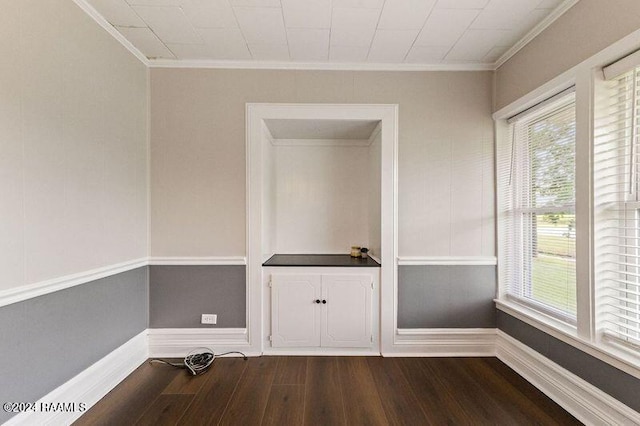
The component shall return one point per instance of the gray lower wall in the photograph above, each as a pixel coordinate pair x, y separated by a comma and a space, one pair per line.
47, 340
179, 295
428, 296
446, 296
618, 384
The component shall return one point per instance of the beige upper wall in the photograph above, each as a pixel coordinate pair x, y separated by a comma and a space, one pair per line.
73, 145
584, 30
198, 169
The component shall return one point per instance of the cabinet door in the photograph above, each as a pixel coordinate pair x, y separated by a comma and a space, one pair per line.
346, 317
295, 315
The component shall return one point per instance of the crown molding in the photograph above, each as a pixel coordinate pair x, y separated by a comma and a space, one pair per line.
314, 66
100, 20
322, 66
535, 31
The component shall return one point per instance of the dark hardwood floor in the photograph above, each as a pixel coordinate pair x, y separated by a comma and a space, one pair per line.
329, 391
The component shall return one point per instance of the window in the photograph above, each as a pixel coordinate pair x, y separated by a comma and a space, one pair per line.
536, 174
617, 209
568, 211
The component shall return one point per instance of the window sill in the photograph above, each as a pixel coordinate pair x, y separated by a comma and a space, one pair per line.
613, 354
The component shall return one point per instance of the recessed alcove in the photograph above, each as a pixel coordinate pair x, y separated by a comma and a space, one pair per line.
321, 190
321, 178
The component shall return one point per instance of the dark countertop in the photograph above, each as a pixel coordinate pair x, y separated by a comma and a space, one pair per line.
340, 260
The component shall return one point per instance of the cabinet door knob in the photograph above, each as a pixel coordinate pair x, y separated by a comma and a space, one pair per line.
317, 300
324, 302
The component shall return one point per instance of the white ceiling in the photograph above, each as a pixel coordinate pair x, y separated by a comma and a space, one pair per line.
321, 129
423, 32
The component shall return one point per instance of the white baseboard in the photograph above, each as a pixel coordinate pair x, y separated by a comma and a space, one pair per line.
88, 387
177, 342
319, 352
587, 403
430, 342
584, 401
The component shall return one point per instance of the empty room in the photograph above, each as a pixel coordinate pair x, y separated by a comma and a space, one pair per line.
289, 212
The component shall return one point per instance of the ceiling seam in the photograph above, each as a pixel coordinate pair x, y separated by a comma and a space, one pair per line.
424, 23
384, 2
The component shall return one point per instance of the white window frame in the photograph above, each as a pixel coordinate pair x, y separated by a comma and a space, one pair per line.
586, 77
519, 216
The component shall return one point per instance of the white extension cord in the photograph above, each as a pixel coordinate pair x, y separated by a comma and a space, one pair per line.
198, 360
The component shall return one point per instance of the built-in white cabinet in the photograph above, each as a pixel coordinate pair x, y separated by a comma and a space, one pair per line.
323, 310
295, 310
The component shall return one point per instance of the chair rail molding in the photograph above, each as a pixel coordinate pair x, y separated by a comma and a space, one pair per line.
447, 260
208, 260
21, 293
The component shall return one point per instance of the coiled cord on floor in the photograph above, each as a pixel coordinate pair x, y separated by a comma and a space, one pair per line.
197, 360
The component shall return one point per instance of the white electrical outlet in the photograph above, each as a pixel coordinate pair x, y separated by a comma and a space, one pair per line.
209, 319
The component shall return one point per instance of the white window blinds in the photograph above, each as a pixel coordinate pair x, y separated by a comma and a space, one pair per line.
617, 209
536, 178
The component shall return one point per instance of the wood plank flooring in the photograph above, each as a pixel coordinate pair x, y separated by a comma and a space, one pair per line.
329, 391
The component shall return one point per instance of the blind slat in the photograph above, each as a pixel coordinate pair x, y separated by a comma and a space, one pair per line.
617, 207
